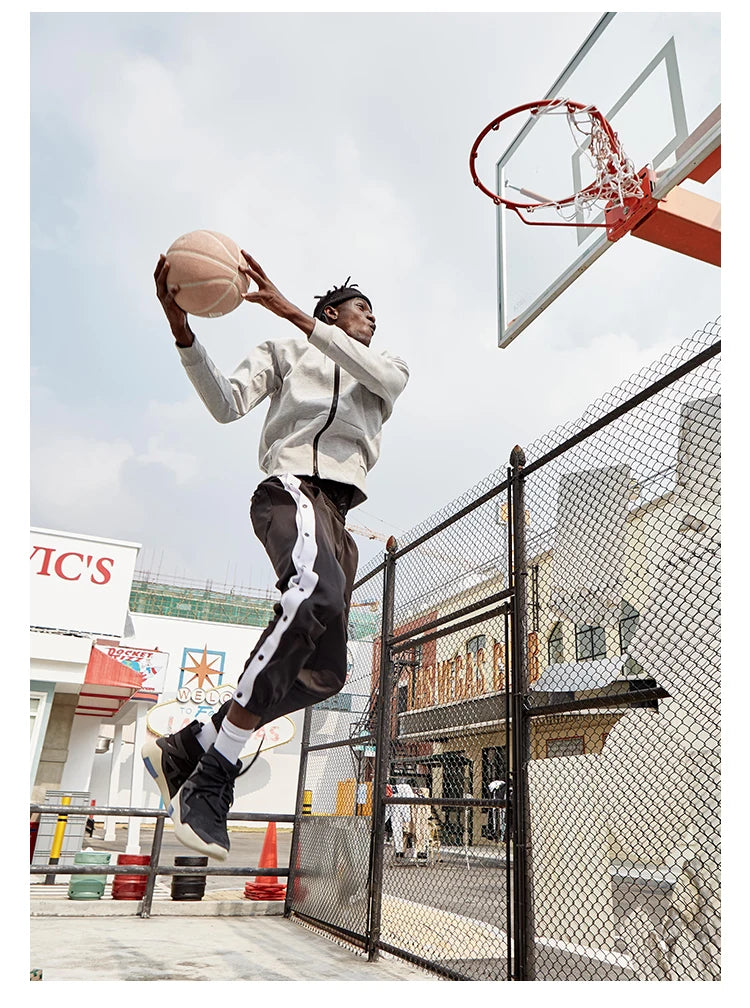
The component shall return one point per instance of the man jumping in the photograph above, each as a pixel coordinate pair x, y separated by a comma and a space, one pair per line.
329, 395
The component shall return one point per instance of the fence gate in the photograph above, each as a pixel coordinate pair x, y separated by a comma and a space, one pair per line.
520, 779
410, 846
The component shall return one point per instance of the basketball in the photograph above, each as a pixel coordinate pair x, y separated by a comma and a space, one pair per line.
205, 266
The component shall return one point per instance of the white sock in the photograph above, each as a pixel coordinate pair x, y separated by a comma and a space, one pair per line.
207, 735
231, 740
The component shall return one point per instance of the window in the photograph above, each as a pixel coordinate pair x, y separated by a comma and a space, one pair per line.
565, 746
555, 646
36, 701
628, 625
414, 674
473, 645
38, 707
590, 642
402, 697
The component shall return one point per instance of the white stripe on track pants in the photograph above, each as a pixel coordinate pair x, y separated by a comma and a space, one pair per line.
300, 658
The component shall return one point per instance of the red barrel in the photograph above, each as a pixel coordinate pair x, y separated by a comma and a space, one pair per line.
130, 887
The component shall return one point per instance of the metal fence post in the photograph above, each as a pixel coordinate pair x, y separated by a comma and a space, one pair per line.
382, 747
148, 896
298, 809
523, 888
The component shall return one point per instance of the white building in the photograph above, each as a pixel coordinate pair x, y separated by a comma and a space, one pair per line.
101, 677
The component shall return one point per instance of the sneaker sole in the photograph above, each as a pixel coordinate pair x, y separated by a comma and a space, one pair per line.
151, 755
188, 838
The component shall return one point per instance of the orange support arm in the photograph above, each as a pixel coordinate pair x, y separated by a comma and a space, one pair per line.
685, 222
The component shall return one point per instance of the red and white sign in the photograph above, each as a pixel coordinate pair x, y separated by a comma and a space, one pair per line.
151, 665
79, 582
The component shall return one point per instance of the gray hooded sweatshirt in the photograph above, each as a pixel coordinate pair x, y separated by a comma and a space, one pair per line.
329, 398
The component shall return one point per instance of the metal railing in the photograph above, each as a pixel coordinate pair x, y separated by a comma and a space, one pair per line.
154, 868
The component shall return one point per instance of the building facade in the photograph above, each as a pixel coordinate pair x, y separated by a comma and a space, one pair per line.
115, 655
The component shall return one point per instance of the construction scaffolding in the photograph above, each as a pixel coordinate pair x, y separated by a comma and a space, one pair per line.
241, 606
196, 600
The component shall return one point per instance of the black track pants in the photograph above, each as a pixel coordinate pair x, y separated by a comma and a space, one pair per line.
300, 658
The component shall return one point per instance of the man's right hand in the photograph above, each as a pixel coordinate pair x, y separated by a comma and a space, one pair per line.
176, 317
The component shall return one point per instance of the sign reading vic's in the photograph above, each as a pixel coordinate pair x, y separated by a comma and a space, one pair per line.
80, 583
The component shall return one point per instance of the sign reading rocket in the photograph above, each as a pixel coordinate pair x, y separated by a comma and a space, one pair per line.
151, 665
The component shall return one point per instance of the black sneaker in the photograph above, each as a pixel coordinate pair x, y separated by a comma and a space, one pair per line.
172, 758
199, 809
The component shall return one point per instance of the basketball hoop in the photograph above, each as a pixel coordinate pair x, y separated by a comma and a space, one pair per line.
617, 184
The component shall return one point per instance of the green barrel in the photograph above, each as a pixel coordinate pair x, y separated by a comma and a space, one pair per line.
88, 887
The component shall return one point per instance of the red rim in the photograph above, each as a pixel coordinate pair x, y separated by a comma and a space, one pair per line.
572, 107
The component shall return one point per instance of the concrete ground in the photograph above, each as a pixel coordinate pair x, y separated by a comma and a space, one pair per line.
221, 937
261, 948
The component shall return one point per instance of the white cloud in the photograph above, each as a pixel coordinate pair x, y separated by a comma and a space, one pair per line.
146, 126
73, 475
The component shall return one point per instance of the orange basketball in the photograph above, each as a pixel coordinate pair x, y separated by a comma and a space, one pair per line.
205, 266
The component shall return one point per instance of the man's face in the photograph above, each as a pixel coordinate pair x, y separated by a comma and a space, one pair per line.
355, 317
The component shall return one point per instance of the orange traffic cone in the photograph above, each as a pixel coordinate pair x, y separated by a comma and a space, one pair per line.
266, 887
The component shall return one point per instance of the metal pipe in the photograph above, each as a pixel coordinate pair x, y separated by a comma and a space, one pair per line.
481, 618
524, 923
450, 802
382, 756
508, 866
165, 869
627, 406
453, 518
428, 964
148, 895
455, 615
298, 805
109, 810
368, 577
355, 740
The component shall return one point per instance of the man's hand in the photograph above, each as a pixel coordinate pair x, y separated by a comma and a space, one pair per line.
176, 317
269, 296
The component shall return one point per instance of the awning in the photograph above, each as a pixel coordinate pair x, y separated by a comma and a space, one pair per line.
108, 685
569, 677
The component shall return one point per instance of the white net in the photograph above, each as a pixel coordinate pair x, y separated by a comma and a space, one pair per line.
616, 178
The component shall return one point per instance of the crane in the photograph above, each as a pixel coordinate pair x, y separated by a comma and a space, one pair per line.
367, 533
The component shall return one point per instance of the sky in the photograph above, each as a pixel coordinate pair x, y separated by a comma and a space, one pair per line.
329, 145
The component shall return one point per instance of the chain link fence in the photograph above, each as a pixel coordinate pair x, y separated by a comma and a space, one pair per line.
523, 782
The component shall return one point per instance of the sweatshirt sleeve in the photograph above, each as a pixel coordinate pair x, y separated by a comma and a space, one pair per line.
228, 399
383, 374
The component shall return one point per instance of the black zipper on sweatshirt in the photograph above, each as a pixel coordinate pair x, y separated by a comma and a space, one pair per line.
329, 421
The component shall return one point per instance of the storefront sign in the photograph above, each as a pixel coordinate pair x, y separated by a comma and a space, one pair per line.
80, 583
188, 705
149, 664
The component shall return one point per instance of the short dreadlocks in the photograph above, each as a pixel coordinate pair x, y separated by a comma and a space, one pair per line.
336, 296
